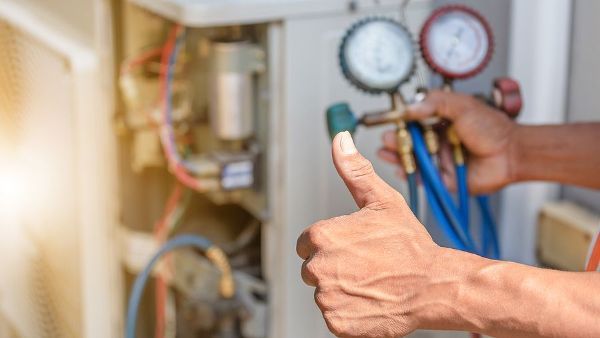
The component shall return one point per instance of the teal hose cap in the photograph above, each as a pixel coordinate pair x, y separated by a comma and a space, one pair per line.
340, 118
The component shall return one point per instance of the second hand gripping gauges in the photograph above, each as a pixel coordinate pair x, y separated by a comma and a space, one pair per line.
457, 43
377, 55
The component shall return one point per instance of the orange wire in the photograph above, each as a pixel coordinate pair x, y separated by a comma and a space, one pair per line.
594, 261
179, 170
141, 59
171, 205
160, 293
160, 234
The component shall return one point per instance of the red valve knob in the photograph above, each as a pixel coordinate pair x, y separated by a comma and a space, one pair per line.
507, 96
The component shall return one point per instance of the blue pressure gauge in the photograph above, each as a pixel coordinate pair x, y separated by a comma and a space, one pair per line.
377, 55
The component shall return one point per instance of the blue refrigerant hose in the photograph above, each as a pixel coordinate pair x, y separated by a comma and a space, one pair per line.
413, 192
442, 220
489, 229
135, 298
463, 195
490, 246
430, 174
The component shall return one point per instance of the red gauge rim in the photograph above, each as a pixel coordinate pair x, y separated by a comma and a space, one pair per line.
424, 41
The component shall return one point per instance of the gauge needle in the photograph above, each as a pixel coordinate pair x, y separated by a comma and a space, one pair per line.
381, 65
455, 42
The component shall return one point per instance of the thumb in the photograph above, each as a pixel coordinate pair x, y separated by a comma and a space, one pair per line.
367, 188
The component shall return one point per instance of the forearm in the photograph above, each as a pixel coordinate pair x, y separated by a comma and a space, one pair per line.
509, 300
568, 154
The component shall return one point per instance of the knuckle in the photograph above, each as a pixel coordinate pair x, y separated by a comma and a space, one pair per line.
303, 245
308, 273
312, 268
321, 300
300, 244
334, 324
316, 233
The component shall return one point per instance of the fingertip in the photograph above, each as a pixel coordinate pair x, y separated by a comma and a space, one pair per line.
308, 276
303, 245
347, 145
449, 181
389, 139
421, 109
401, 174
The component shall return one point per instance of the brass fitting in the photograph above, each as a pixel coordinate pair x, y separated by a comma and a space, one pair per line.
405, 148
457, 150
219, 259
431, 139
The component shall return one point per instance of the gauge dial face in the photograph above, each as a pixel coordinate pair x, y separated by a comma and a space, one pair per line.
377, 55
457, 42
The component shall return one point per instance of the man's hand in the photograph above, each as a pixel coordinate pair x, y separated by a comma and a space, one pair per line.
377, 272
369, 268
487, 133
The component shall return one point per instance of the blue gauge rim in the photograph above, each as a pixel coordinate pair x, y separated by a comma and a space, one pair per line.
356, 82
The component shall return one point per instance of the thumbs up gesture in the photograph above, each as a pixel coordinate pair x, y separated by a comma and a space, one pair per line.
370, 269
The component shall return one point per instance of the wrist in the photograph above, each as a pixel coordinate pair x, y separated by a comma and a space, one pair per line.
451, 299
515, 156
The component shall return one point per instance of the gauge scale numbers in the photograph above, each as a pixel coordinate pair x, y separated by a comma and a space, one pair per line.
457, 42
377, 55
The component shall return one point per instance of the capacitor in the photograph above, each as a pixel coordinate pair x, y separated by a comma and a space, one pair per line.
232, 100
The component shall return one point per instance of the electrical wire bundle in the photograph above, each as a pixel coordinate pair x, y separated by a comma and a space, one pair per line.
175, 209
182, 170
186, 173
179, 199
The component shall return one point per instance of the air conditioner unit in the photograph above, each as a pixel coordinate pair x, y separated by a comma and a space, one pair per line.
65, 262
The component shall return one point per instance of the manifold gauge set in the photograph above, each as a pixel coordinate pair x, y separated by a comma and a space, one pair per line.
378, 56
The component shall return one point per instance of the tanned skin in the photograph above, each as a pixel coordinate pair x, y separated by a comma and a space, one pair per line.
378, 273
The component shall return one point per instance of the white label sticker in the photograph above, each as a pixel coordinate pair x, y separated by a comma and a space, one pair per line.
238, 175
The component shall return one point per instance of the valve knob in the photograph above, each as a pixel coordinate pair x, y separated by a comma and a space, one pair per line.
340, 118
506, 96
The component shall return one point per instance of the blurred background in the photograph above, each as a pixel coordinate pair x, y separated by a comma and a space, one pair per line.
107, 106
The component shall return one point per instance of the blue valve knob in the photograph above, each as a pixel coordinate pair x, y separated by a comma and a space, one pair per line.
340, 118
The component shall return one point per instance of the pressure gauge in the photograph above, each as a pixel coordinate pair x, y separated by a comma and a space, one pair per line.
377, 55
457, 42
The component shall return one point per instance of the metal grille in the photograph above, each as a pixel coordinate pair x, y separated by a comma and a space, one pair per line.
11, 86
37, 128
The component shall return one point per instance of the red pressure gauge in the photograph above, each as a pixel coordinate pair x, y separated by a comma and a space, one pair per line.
457, 42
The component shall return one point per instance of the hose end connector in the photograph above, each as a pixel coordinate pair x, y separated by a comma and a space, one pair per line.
457, 150
431, 140
405, 149
219, 259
